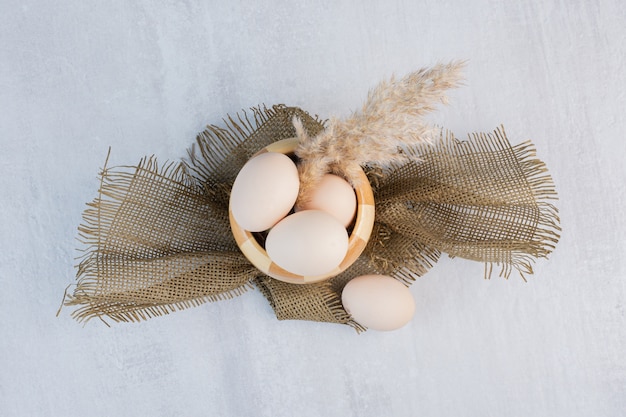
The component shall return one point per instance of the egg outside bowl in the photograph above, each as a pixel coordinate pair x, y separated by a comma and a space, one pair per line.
359, 236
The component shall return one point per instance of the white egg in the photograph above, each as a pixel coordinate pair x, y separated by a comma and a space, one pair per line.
264, 191
335, 196
378, 302
307, 243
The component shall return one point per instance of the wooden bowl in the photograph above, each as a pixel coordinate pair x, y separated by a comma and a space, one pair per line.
357, 240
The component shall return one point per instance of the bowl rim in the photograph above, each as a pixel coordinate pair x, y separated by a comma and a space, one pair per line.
357, 240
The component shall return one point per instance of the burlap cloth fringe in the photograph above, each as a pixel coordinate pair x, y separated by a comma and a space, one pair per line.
158, 238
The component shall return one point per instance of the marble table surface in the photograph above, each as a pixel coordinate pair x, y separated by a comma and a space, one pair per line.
141, 77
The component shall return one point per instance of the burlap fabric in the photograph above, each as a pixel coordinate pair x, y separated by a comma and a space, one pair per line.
158, 238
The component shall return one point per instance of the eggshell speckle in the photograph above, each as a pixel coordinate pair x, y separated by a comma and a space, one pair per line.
307, 243
264, 191
378, 302
335, 196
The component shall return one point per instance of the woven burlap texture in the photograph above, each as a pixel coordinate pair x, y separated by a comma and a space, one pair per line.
158, 238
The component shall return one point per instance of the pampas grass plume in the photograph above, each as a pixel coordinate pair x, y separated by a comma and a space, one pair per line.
391, 119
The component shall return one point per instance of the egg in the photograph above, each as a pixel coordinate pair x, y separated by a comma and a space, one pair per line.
307, 243
378, 302
335, 196
264, 191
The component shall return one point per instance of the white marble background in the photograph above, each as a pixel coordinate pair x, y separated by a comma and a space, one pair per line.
144, 77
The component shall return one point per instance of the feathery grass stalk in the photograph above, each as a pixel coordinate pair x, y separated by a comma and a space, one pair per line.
391, 119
